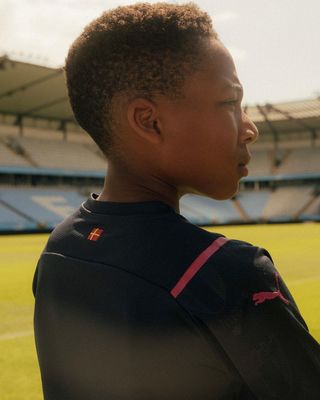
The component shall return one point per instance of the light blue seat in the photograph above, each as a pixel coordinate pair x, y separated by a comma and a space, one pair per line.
208, 211
47, 207
11, 221
253, 202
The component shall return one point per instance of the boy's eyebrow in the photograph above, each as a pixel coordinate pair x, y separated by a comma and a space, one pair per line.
234, 86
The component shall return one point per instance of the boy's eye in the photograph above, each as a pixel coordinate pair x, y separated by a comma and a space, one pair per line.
232, 105
231, 102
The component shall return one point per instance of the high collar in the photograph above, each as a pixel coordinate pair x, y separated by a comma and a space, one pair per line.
121, 208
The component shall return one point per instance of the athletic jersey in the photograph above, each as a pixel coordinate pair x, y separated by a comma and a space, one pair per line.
133, 302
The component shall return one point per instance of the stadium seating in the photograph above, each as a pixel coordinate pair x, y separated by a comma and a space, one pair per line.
12, 221
302, 160
312, 212
253, 202
261, 162
44, 207
24, 208
62, 154
193, 214
47, 149
32, 208
208, 211
10, 158
285, 202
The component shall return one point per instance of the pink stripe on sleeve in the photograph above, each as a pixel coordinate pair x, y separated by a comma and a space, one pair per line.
197, 264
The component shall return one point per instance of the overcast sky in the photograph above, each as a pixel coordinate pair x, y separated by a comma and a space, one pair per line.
275, 43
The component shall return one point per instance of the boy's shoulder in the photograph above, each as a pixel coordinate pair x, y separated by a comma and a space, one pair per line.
207, 264
164, 250
235, 277
229, 270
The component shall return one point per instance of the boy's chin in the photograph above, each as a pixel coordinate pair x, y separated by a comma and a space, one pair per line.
227, 196
222, 194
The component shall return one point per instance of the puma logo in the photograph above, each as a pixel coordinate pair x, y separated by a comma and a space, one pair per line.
260, 297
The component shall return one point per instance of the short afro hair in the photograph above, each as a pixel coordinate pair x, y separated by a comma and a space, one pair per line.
141, 49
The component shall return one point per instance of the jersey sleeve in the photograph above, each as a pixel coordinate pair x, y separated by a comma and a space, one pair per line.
240, 299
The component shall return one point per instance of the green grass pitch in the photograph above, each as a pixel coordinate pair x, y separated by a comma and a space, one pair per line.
295, 250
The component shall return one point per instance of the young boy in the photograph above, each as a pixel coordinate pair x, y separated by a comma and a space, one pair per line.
132, 300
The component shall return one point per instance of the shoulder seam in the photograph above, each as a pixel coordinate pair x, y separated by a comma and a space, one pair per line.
111, 266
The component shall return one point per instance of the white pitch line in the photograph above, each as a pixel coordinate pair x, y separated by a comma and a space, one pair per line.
14, 335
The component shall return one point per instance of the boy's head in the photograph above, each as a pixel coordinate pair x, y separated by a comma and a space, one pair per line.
136, 50
154, 87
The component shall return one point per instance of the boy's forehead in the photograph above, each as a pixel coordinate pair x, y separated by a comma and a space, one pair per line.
219, 60
217, 70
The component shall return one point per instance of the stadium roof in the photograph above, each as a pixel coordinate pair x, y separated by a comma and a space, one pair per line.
292, 116
28, 90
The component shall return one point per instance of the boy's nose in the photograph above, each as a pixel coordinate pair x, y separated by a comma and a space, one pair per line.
249, 132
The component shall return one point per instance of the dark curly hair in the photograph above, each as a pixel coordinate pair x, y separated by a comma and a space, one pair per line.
139, 49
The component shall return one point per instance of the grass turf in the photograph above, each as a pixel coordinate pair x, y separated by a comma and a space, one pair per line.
295, 250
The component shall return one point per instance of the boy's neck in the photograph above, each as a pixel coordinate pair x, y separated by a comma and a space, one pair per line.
122, 186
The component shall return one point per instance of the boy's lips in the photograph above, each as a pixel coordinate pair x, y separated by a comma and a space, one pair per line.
243, 170
242, 166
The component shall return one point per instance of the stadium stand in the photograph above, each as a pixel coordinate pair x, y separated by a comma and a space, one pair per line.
12, 221
261, 162
209, 211
254, 202
9, 157
302, 160
42, 145
58, 154
46, 149
312, 212
285, 202
42, 206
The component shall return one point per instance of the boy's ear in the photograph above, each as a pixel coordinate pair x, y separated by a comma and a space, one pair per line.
142, 118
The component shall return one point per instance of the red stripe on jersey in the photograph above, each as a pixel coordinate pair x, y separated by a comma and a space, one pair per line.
197, 264
95, 234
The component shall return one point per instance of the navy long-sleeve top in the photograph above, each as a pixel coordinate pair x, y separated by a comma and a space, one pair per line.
135, 302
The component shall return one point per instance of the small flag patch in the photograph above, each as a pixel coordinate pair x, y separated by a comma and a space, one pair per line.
95, 234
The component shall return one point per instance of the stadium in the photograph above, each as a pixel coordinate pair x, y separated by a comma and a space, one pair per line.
49, 166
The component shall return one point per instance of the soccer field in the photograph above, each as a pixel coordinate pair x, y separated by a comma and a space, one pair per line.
295, 250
